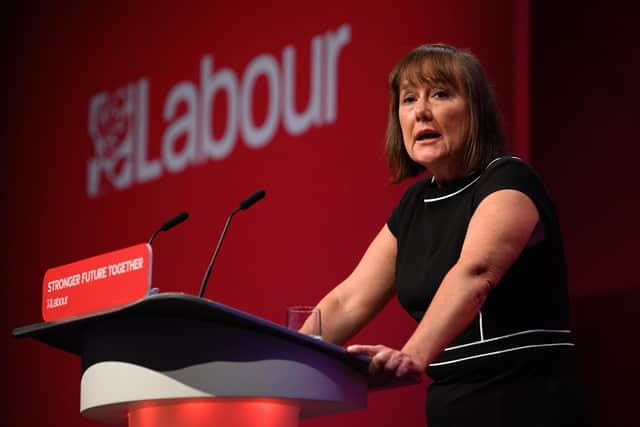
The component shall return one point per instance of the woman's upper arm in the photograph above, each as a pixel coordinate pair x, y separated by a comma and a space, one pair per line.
498, 232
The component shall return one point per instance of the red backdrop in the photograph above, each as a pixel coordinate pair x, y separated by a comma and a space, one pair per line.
112, 111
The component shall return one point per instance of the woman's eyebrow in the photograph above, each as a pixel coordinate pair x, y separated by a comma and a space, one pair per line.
407, 86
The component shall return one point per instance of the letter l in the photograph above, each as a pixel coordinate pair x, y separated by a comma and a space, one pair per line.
146, 171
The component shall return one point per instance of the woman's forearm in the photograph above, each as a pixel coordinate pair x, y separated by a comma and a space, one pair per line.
456, 304
497, 234
351, 304
338, 322
343, 314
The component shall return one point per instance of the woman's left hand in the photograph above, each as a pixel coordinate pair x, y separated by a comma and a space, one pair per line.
385, 360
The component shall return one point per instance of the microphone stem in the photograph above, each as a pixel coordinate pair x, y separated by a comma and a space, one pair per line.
215, 253
154, 235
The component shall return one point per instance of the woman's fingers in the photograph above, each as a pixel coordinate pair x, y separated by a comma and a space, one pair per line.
407, 366
369, 350
379, 355
394, 360
379, 360
386, 360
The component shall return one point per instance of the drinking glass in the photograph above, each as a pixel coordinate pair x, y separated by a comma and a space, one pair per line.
305, 319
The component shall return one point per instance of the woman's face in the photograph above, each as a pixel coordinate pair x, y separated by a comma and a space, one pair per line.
434, 125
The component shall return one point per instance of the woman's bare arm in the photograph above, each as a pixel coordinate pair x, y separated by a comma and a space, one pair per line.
498, 232
351, 304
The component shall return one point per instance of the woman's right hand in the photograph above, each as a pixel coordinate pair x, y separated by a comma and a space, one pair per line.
387, 361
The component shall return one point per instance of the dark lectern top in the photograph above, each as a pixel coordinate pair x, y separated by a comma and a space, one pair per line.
68, 335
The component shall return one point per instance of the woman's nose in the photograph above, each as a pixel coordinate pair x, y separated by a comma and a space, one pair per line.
423, 110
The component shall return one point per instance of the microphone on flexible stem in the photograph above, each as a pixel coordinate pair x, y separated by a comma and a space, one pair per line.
245, 204
169, 224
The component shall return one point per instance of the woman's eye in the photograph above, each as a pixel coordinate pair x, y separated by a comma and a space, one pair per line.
440, 94
408, 98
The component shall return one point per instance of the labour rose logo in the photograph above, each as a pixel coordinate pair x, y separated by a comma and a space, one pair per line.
111, 127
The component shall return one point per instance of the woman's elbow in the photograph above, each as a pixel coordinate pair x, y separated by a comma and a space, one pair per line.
482, 280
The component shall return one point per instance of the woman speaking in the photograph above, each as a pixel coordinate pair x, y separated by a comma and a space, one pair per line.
474, 253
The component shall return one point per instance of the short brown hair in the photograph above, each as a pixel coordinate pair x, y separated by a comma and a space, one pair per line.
462, 71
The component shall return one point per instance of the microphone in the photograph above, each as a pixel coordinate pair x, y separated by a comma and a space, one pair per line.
170, 224
244, 205
252, 199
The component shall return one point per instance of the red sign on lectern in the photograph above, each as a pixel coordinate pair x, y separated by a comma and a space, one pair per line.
98, 283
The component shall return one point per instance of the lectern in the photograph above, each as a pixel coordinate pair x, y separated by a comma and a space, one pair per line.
177, 360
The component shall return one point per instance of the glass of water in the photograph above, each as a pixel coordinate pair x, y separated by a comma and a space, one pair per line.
305, 319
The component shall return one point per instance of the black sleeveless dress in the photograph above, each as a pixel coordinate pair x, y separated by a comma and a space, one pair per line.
514, 365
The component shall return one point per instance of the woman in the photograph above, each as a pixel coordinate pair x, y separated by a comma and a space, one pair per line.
474, 254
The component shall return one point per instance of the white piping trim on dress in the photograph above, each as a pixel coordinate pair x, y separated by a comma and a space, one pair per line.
433, 179
454, 193
481, 328
530, 331
501, 157
448, 362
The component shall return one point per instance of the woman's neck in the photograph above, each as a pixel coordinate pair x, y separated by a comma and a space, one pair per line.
448, 174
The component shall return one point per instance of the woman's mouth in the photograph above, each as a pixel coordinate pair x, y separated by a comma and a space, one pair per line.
427, 135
